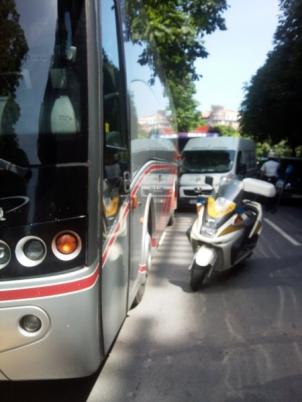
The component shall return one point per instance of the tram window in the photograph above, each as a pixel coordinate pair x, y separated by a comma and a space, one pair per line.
113, 127
43, 86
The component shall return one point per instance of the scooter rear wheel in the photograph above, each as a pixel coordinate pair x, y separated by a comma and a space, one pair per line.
198, 276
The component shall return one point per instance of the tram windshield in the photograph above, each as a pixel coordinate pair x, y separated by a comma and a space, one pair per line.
43, 94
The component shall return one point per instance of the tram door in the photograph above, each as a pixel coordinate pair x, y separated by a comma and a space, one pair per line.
116, 178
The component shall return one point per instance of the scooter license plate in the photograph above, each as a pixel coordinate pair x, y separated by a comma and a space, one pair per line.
192, 202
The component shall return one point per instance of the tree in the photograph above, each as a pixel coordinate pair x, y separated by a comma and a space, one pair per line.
13, 47
187, 116
273, 99
280, 149
172, 33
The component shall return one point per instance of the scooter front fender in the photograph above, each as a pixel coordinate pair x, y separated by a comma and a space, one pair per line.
205, 256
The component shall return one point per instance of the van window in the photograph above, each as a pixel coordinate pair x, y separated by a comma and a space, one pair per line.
240, 162
247, 158
251, 160
208, 161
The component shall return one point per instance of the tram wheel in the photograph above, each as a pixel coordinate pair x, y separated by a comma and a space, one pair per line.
148, 258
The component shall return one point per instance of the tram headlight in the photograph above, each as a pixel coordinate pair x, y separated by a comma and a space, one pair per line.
30, 251
66, 245
30, 323
34, 249
5, 254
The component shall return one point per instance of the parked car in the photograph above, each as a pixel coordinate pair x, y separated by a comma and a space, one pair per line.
290, 177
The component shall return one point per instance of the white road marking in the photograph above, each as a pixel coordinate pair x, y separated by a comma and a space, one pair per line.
282, 233
271, 249
280, 312
261, 250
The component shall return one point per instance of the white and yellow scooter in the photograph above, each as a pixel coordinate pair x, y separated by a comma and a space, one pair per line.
227, 227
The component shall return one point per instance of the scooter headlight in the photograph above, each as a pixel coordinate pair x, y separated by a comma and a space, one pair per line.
209, 232
208, 228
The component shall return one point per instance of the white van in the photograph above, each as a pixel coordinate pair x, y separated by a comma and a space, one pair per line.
207, 162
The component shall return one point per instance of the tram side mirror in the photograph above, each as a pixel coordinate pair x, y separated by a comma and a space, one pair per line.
259, 187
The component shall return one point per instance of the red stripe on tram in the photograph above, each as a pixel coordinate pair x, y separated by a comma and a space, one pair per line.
50, 290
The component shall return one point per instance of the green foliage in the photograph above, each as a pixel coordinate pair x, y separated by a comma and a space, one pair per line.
262, 149
280, 149
13, 47
187, 117
273, 99
172, 33
226, 131
298, 151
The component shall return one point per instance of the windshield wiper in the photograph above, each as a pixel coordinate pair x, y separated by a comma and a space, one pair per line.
11, 167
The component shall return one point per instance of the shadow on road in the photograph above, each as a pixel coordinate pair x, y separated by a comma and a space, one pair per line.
217, 281
76, 390
255, 273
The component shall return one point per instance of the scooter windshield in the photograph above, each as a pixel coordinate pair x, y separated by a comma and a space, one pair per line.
230, 190
220, 207
225, 201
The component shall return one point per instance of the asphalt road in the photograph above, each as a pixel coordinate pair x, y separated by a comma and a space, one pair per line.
238, 339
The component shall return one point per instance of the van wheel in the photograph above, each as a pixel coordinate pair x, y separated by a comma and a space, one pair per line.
198, 275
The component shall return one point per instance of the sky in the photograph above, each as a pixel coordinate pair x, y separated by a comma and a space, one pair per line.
236, 54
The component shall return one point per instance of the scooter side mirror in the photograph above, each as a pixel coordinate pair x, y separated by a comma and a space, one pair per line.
259, 187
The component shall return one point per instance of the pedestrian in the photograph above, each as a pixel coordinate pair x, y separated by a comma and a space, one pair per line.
270, 172
269, 169
289, 171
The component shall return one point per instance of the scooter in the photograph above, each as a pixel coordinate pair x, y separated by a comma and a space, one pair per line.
227, 228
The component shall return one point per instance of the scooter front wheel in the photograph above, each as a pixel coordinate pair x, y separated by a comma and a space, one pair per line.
198, 276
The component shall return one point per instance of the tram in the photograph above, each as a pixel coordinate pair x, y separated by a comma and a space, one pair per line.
85, 191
